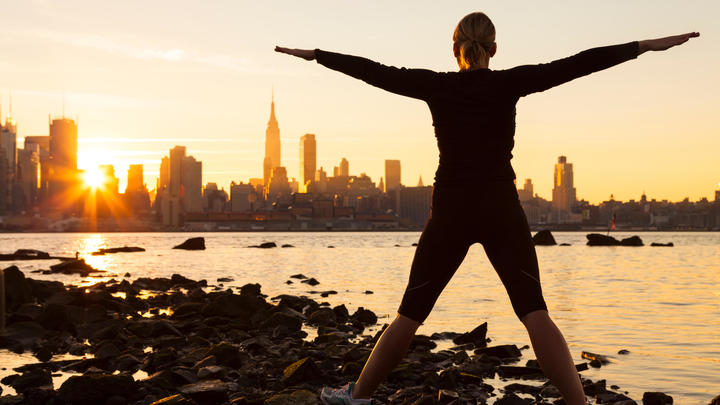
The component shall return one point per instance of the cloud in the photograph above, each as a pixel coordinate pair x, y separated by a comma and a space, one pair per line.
130, 48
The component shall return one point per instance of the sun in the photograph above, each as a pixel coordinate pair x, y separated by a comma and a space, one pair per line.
93, 178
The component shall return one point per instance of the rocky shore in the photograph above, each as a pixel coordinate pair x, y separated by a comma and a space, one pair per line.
180, 341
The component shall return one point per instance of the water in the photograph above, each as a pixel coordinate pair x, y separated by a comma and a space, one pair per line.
661, 304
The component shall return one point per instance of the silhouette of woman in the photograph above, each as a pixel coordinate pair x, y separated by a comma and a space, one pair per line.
473, 113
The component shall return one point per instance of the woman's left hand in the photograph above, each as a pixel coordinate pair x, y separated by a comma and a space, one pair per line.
307, 54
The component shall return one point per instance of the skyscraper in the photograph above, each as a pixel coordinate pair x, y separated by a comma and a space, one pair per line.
183, 192
43, 144
564, 192
392, 175
527, 192
135, 178
63, 155
343, 169
28, 174
192, 184
308, 160
272, 144
8, 145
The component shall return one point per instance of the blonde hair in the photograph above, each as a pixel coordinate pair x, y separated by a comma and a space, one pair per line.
475, 36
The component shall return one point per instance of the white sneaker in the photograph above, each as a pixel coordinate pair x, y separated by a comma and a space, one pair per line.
341, 396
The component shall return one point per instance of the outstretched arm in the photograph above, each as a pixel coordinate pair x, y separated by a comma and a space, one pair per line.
416, 83
524, 80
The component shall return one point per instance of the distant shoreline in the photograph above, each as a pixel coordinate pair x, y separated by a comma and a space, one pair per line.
354, 231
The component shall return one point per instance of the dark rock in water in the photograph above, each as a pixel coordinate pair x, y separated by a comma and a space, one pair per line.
267, 245
323, 316
124, 249
287, 245
564, 244
17, 289
715, 401
303, 370
311, 281
595, 363
74, 267
512, 399
299, 276
22, 335
192, 244
502, 351
656, 398
331, 246
96, 388
594, 356
593, 388
596, 239
477, 336
32, 379
326, 294
523, 388
364, 316
656, 244
206, 392
25, 254
225, 279
544, 238
292, 323
610, 397
368, 292
632, 241
445, 335
623, 351
414, 244
516, 372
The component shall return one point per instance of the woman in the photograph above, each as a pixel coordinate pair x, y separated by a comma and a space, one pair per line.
473, 113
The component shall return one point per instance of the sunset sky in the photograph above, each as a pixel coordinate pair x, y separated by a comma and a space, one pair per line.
145, 76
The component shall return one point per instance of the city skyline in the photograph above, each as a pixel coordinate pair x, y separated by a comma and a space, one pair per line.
138, 95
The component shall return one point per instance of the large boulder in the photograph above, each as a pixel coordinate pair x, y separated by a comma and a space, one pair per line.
96, 388
17, 289
632, 241
477, 336
656, 398
22, 334
192, 244
597, 239
74, 266
544, 238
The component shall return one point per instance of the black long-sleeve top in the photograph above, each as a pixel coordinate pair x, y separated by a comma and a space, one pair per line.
473, 111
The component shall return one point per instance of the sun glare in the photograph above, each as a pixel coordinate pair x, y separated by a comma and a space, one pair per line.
93, 178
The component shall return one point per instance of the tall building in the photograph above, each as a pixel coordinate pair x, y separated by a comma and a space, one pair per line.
527, 192
241, 197
42, 142
308, 160
63, 173
28, 174
4, 183
272, 144
564, 192
8, 143
183, 192
413, 203
278, 183
392, 175
135, 179
343, 169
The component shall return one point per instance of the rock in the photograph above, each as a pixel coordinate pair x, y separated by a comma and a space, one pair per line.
74, 266
596, 239
656, 398
192, 244
287, 245
594, 388
523, 388
228, 354
516, 372
364, 316
502, 351
632, 241
544, 238
564, 244
96, 388
206, 392
477, 336
32, 379
225, 279
311, 281
176, 399
368, 292
300, 397
22, 334
326, 294
31, 254
657, 244
267, 245
301, 371
623, 351
292, 323
106, 351
715, 401
124, 249
17, 289
512, 399
299, 276
215, 372
594, 356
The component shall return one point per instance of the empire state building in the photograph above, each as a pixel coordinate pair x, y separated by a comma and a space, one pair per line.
272, 144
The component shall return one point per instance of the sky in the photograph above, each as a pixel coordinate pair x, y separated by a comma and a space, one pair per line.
144, 76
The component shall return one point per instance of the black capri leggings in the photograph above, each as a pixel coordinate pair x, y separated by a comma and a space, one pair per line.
491, 216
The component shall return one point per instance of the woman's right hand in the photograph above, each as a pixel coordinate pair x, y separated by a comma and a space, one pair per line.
661, 44
307, 54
